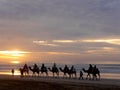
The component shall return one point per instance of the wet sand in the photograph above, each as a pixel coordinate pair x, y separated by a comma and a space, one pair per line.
37, 83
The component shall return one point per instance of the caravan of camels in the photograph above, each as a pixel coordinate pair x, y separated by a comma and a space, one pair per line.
93, 73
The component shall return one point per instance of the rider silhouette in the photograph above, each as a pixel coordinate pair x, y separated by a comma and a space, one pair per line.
43, 66
90, 67
94, 68
25, 67
35, 66
54, 66
81, 75
66, 68
72, 68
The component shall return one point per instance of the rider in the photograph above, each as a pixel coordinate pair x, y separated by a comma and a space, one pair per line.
66, 68
90, 67
54, 65
72, 68
25, 67
94, 68
81, 75
35, 66
43, 66
94, 72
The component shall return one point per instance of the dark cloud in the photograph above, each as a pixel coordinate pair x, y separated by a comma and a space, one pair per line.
28, 20
70, 18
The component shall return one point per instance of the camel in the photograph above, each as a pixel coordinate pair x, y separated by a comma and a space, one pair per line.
54, 70
69, 72
24, 71
21, 72
64, 71
44, 70
88, 73
94, 73
34, 70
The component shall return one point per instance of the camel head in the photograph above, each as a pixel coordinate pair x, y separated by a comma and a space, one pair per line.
84, 69
61, 69
49, 68
29, 67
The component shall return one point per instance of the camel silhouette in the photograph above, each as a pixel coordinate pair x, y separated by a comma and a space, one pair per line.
94, 73
68, 72
43, 70
54, 70
34, 70
23, 71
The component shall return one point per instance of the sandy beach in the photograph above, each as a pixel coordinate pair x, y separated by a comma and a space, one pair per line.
38, 83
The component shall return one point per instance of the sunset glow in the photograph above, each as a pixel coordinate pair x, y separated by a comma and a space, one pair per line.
64, 41
17, 72
15, 62
55, 30
110, 41
12, 55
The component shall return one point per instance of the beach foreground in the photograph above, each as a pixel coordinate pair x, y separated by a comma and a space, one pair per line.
35, 83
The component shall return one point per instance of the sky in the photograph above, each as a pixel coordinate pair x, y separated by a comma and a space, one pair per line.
62, 31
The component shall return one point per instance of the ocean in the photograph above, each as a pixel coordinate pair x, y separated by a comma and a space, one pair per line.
108, 71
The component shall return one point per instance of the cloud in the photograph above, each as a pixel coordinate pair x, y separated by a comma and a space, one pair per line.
69, 26
45, 43
110, 41
83, 46
64, 41
64, 17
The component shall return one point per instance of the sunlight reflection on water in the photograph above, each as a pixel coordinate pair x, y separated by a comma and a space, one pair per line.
9, 72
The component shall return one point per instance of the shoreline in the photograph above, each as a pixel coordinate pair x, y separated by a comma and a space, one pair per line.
71, 84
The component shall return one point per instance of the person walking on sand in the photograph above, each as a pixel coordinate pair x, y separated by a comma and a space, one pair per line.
81, 75
12, 72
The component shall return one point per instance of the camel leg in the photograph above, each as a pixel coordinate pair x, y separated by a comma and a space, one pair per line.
99, 75
57, 74
94, 77
69, 76
87, 76
75, 75
90, 77
41, 74
38, 74
33, 74
28, 74
53, 75
46, 74
65, 75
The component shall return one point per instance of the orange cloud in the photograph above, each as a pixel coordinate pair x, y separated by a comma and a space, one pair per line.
110, 41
